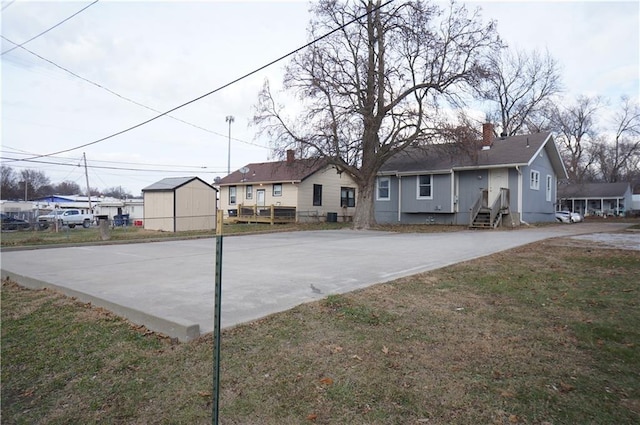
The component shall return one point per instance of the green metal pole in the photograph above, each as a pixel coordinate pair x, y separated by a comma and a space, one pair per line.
216, 324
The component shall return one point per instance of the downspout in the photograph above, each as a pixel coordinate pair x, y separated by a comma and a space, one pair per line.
453, 191
399, 197
520, 195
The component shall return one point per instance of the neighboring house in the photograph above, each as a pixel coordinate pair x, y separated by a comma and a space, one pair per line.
509, 180
178, 204
112, 207
310, 188
24, 210
601, 199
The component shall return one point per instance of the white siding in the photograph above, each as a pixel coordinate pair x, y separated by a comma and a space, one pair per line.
288, 198
195, 207
158, 211
331, 183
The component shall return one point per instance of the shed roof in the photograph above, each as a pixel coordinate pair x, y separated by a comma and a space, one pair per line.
510, 151
173, 183
272, 172
594, 190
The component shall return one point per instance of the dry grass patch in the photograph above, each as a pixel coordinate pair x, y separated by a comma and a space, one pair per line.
541, 334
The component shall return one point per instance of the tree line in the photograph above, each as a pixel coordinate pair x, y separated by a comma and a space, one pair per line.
30, 184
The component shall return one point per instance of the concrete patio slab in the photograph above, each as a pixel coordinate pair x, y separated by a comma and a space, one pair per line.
169, 286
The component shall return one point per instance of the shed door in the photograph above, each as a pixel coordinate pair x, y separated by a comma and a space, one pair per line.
498, 178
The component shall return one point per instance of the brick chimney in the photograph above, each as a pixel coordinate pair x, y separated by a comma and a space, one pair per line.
487, 135
291, 155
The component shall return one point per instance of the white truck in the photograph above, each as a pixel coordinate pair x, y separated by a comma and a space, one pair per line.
65, 217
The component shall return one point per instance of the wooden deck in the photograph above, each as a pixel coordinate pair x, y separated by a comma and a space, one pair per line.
268, 214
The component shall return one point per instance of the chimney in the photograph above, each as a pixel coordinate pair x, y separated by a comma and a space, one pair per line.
487, 135
291, 155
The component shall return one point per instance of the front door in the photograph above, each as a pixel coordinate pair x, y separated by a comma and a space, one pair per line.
260, 197
498, 178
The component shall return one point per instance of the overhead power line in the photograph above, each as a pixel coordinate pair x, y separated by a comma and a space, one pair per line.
204, 170
14, 151
124, 97
46, 31
8, 4
224, 86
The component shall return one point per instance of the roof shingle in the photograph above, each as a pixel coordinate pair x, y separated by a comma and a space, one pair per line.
514, 150
272, 172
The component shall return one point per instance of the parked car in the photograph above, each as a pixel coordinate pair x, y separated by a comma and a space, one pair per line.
12, 223
568, 217
576, 217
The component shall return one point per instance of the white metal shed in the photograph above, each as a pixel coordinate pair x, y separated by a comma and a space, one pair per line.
178, 204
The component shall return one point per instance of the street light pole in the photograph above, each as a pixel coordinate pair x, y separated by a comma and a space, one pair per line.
229, 119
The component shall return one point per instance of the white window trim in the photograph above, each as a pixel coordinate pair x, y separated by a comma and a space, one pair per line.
549, 187
233, 189
273, 190
534, 180
248, 191
378, 180
418, 186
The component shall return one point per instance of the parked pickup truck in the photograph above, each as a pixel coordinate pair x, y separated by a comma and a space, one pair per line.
65, 217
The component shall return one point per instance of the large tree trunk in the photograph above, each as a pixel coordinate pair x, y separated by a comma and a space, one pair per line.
364, 216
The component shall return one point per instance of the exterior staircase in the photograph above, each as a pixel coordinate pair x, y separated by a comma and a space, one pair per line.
485, 217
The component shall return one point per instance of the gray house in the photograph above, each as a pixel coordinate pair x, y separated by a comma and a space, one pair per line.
601, 199
506, 181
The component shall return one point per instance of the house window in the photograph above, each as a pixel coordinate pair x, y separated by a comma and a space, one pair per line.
277, 189
317, 195
424, 187
383, 188
347, 197
549, 184
232, 195
248, 191
534, 181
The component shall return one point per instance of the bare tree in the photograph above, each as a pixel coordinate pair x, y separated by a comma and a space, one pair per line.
34, 183
9, 188
117, 192
67, 188
517, 87
374, 87
618, 157
576, 130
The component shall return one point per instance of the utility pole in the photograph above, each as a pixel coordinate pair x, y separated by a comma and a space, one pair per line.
86, 175
229, 119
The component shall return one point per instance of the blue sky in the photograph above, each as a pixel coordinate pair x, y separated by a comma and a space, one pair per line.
162, 54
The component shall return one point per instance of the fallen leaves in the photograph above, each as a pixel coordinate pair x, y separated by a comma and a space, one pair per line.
565, 388
326, 381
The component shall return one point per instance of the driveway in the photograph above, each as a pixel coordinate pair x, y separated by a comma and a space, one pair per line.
169, 286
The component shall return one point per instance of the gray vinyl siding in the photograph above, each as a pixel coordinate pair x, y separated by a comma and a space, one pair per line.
470, 187
535, 207
387, 211
440, 191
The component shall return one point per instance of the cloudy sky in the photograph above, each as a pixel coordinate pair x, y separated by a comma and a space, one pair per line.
163, 54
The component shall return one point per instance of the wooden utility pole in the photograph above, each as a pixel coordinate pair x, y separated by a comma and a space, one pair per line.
86, 175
